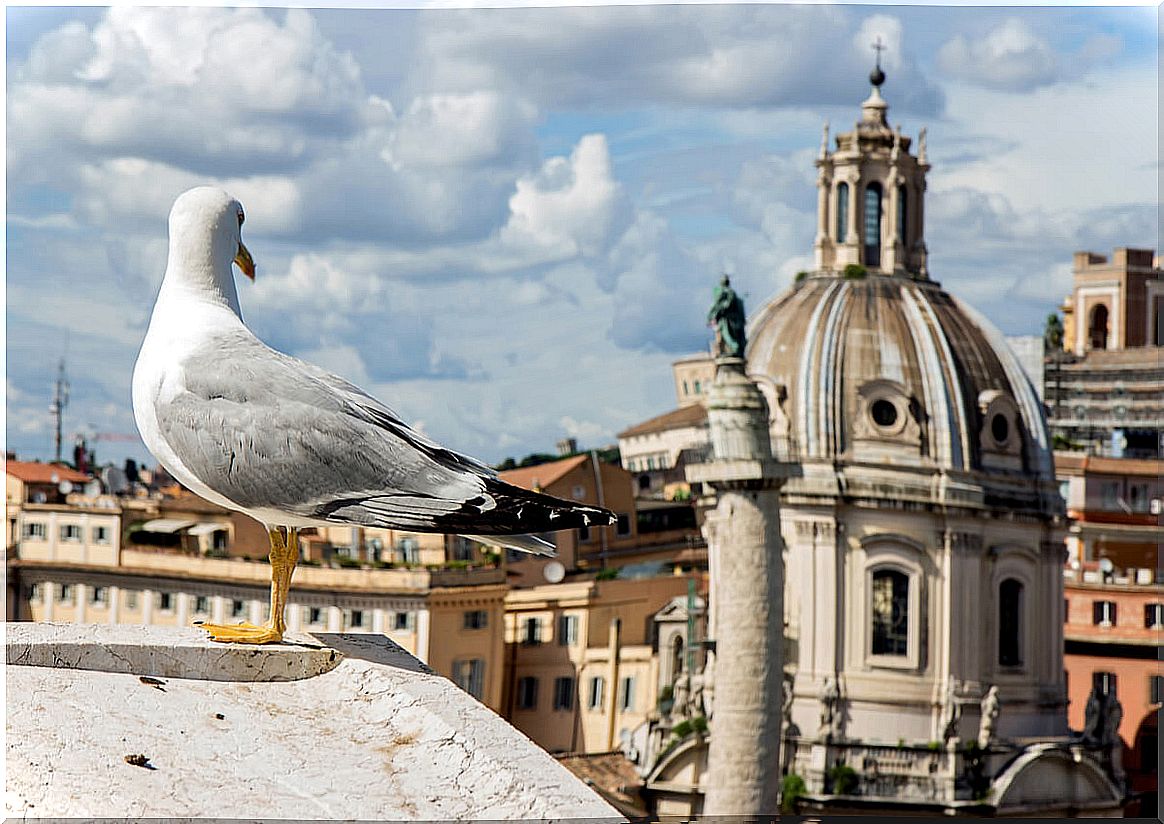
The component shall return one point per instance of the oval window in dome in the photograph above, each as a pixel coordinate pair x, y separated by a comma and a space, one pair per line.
884, 412
999, 427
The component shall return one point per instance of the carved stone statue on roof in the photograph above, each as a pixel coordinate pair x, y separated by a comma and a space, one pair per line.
727, 317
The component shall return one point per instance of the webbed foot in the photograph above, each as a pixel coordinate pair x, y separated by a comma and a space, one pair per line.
242, 633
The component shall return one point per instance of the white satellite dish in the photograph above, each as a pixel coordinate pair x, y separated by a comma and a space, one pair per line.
93, 489
1106, 566
554, 572
115, 480
65, 487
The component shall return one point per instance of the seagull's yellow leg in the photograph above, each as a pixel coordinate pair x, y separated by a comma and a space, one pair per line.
284, 555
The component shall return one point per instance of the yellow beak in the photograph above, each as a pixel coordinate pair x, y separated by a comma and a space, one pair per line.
244, 261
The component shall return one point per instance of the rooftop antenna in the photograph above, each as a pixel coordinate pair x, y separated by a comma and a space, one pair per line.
57, 407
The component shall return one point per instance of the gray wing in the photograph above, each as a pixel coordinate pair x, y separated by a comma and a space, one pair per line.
269, 431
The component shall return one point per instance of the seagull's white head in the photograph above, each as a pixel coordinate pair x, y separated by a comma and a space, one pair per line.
206, 236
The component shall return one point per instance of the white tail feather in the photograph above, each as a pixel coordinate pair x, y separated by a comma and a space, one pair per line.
522, 543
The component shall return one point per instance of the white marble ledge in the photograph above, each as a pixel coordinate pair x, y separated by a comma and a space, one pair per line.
165, 652
378, 737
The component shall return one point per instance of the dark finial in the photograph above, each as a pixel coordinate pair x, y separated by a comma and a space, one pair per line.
877, 77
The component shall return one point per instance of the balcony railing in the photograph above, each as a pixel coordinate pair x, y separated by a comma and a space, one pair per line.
931, 773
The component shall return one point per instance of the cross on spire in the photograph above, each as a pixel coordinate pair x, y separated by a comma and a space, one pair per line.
877, 77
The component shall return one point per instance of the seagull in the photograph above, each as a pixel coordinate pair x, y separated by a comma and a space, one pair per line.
288, 443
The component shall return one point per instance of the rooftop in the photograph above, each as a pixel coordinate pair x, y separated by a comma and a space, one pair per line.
1081, 462
34, 472
542, 475
152, 722
691, 415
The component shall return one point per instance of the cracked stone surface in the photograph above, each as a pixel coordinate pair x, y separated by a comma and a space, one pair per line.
375, 736
173, 652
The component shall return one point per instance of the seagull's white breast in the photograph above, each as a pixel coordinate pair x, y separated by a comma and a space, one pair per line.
179, 325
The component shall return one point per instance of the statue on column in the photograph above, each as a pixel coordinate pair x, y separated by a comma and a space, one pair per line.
1112, 743
953, 712
830, 708
991, 706
727, 317
1093, 719
681, 698
707, 685
824, 141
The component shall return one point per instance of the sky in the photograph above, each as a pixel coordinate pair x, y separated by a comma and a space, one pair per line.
507, 223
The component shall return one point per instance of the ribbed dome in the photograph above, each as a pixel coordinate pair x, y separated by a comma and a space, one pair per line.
895, 372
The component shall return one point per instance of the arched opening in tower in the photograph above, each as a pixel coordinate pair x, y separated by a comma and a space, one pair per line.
1097, 327
873, 224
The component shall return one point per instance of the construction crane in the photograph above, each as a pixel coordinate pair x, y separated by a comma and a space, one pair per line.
82, 455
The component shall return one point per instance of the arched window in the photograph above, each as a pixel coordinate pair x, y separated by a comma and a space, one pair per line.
901, 216
1097, 327
1010, 613
873, 224
890, 600
842, 212
676, 656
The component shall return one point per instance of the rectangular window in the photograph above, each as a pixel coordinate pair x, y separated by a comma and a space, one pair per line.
1155, 689
1103, 613
1104, 683
404, 621
527, 693
567, 630
469, 675
165, 601
313, 615
100, 534
35, 592
71, 533
563, 693
99, 595
131, 599
238, 608
626, 693
1153, 615
476, 619
356, 619
1111, 494
624, 525
462, 549
35, 530
408, 550
533, 631
594, 698
64, 592
202, 605
890, 612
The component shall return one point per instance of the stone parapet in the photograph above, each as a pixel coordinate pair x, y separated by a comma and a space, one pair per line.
131, 722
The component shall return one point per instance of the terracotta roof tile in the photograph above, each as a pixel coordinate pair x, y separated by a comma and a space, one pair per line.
34, 472
542, 474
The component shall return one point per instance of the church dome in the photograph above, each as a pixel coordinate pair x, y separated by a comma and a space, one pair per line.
895, 372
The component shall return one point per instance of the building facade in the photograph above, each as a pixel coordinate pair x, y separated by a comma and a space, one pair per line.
922, 527
1104, 387
583, 660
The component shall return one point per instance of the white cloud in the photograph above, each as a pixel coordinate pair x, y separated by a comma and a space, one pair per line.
567, 207
1010, 57
481, 127
200, 87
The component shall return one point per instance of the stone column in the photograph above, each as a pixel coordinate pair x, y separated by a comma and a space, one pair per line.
747, 590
